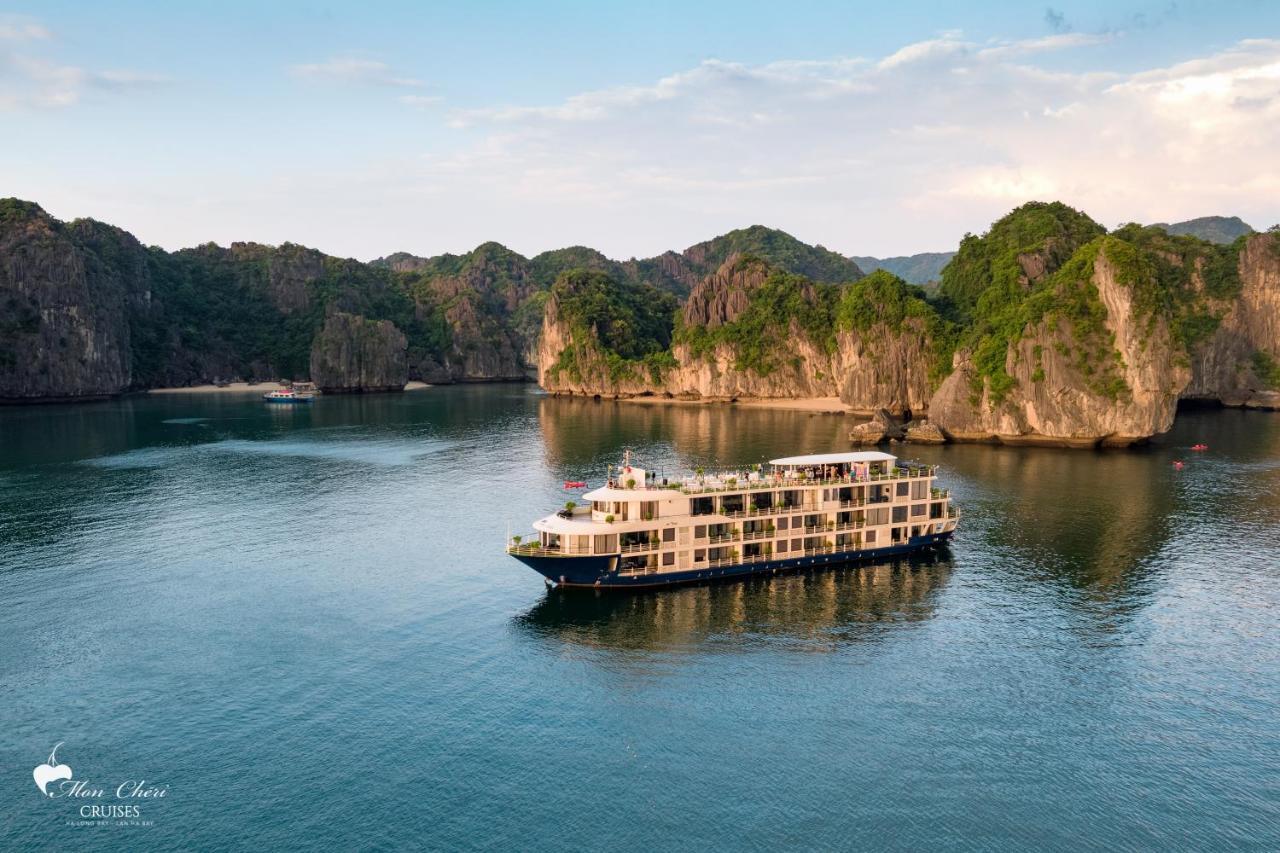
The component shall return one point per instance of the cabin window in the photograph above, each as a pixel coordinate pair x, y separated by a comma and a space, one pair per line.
700, 532
878, 516
899, 514
669, 535
918, 510
669, 558
796, 544
752, 549
895, 534
648, 510
904, 489
606, 543
919, 490
782, 545
935, 510
871, 536
782, 524
731, 503
699, 555
702, 506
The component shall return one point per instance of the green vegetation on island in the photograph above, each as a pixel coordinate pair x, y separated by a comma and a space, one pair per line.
629, 326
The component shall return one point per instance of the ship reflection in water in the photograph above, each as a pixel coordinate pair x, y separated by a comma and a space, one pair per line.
814, 611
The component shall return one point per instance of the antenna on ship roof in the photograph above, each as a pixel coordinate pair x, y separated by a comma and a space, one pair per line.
626, 456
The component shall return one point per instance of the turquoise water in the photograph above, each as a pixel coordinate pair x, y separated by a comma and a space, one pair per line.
300, 623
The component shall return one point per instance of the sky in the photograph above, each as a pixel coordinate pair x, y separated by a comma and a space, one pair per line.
870, 128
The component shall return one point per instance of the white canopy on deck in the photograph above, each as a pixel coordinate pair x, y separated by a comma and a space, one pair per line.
835, 458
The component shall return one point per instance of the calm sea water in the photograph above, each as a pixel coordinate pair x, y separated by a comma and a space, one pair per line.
301, 624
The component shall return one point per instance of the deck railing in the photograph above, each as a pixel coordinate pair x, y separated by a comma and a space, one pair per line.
797, 482
537, 549
636, 547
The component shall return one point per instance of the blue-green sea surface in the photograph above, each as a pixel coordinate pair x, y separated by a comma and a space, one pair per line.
299, 623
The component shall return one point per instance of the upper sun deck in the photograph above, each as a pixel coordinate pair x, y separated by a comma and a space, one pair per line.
791, 471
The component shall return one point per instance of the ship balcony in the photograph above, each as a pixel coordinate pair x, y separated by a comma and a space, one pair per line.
726, 537
757, 534
638, 547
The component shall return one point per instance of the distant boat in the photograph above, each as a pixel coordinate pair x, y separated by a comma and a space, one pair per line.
289, 395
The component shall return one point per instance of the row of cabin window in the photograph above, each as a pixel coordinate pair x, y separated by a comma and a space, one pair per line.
896, 534
783, 546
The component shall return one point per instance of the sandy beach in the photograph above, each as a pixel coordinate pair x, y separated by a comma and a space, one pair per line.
245, 387
817, 405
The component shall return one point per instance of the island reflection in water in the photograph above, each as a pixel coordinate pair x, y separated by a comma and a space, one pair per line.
1099, 527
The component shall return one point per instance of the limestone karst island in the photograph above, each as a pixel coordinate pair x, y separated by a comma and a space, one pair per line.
1047, 328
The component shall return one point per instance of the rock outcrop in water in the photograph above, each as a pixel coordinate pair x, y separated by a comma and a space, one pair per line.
355, 354
1050, 330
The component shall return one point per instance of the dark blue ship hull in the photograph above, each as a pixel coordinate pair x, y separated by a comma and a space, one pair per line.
599, 571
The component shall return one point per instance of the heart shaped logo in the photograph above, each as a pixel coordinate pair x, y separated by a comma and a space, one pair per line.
50, 771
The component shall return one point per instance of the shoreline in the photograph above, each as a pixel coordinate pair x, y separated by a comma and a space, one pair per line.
813, 405
246, 388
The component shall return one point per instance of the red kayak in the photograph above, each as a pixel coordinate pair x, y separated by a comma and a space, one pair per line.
1199, 447
575, 484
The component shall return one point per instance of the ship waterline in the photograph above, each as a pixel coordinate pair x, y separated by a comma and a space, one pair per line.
804, 512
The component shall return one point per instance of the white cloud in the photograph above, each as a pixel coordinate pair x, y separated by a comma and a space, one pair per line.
35, 82
876, 155
16, 28
352, 69
30, 80
891, 155
420, 100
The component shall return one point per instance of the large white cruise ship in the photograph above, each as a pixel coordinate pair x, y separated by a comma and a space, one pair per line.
639, 530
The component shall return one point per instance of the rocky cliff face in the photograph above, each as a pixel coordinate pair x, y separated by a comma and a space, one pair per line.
478, 294
354, 354
1227, 367
1056, 397
64, 332
875, 366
